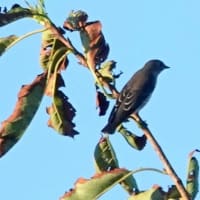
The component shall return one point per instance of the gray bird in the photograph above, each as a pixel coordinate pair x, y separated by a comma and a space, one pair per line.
135, 94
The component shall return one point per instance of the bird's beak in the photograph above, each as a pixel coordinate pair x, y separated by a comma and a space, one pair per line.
167, 67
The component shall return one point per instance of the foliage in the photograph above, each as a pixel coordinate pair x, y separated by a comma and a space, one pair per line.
55, 48
29, 99
96, 186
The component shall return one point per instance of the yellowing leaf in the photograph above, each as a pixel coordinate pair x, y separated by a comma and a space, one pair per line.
106, 71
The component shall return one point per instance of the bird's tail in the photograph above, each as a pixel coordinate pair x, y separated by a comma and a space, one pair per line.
109, 128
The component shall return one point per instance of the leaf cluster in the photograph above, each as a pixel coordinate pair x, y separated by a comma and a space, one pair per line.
54, 51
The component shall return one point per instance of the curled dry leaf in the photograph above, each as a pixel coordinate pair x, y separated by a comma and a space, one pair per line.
61, 115
29, 99
95, 47
53, 59
101, 103
76, 20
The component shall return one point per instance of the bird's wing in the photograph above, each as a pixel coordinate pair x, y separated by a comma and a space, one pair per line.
131, 99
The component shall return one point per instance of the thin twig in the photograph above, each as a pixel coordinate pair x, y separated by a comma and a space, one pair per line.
25, 36
169, 169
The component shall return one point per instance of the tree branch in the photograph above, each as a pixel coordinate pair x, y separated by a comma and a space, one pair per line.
169, 169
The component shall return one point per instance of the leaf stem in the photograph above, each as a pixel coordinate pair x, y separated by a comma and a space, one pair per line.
25, 36
127, 175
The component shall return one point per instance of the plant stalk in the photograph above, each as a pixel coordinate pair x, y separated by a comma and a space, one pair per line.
169, 169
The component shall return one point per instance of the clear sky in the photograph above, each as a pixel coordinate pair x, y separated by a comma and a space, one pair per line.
44, 164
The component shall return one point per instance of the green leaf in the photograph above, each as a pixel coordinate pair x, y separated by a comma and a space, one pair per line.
61, 115
88, 189
39, 12
193, 177
46, 51
104, 156
18, 12
105, 160
5, 42
29, 99
41, 7
15, 13
53, 53
106, 71
53, 58
173, 193
137, 142
130, 184
155, 193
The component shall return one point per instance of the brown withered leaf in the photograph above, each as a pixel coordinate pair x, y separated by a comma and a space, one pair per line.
61, 115
29, 99
96, 48
101, 103
75, 21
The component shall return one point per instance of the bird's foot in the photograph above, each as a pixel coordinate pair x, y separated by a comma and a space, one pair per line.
142, 124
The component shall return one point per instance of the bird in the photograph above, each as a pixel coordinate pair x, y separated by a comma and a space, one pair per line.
135, 94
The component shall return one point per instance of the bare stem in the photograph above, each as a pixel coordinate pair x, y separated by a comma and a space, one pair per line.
25, 36
169, 169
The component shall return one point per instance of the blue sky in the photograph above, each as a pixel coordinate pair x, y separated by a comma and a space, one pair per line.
44, 164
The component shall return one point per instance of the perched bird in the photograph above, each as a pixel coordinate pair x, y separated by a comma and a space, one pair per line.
135, 94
